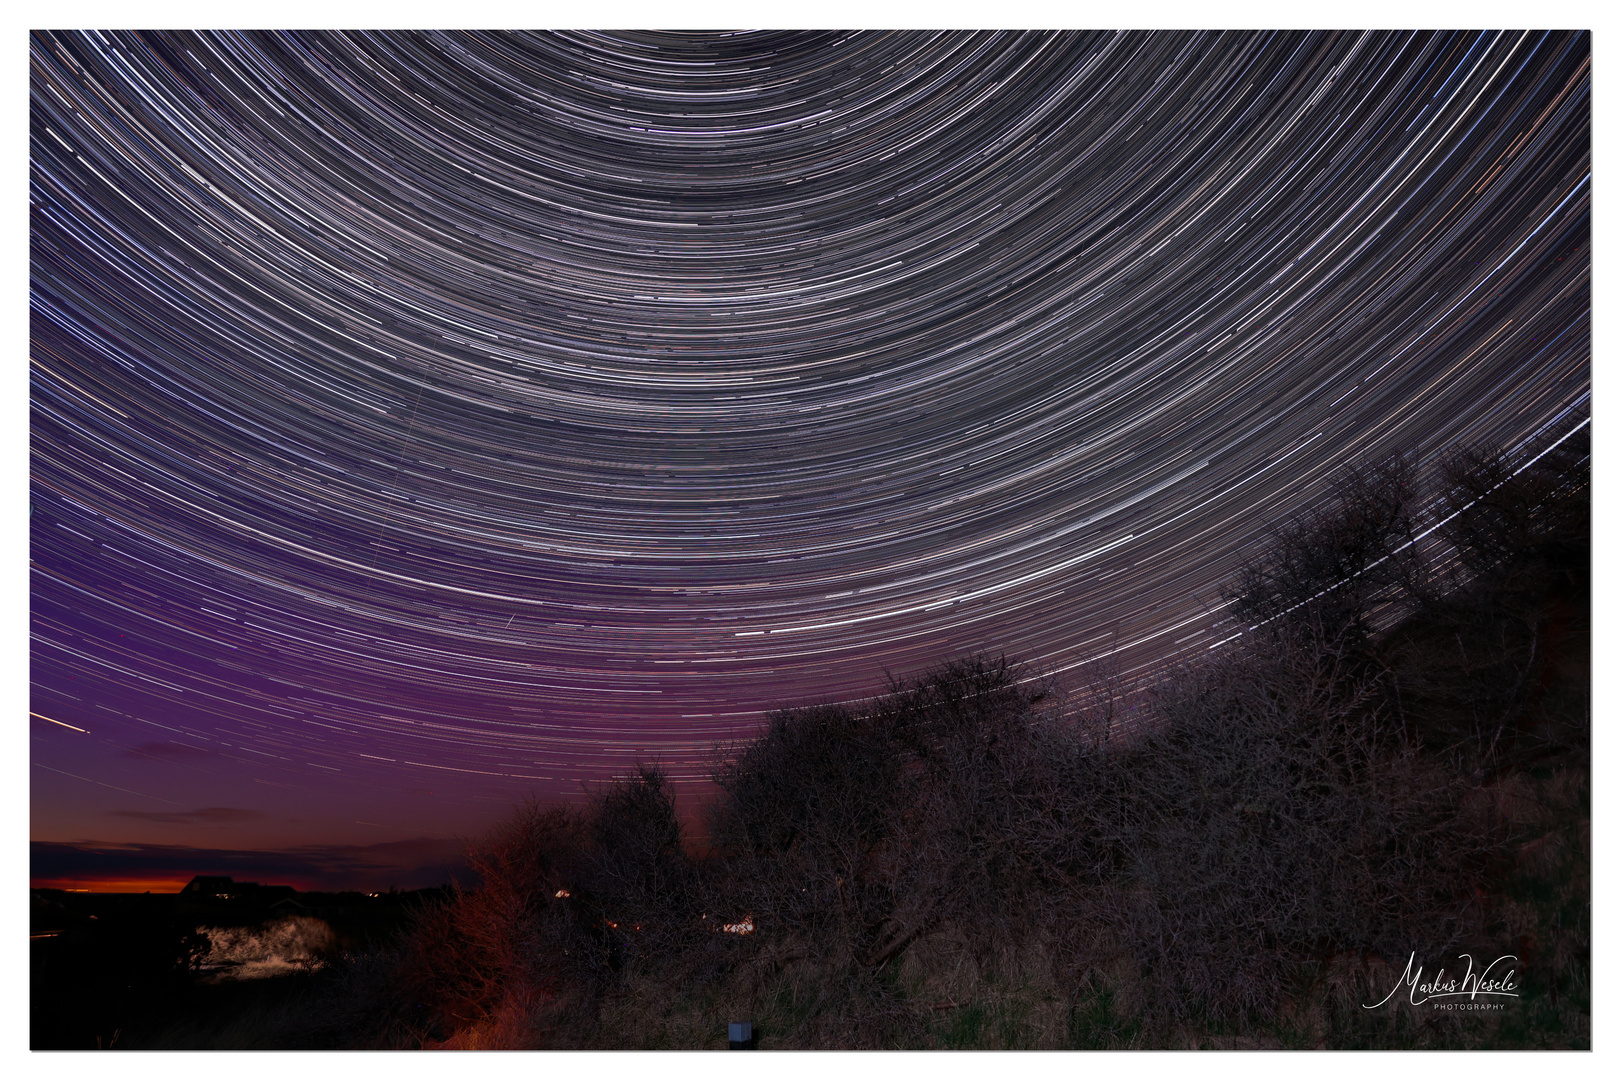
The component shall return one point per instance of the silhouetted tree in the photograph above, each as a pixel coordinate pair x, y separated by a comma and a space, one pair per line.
640, 880
1510, 613
805, 814
1335, 566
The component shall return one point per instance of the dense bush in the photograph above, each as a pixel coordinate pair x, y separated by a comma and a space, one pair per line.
639, 876
1467, 612
1277, 819
806, 819
1501, 637
1521, 523
517, 943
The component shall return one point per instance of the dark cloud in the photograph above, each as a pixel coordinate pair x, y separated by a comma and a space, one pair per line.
208, 815
168, 751
408, 864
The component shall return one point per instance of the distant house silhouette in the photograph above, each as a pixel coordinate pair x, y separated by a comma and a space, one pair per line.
204, 887
213, 887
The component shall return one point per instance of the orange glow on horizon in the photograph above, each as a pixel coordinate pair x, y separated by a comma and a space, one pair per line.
113, 884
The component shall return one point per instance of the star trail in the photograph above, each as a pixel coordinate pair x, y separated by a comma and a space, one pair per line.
424, 419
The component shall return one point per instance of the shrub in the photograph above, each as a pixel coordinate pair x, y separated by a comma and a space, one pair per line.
805, 816
513, 939
868, 829
1521, 523
976, 847
1275, 819
1505, 622
640, 883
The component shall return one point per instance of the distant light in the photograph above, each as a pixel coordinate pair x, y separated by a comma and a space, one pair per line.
563, 894
744, 927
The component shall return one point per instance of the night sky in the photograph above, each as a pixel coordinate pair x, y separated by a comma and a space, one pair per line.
424, 420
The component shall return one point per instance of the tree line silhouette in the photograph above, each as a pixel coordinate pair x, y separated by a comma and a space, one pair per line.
1387, 757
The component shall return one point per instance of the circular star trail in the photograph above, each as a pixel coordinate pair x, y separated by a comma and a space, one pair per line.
473, 413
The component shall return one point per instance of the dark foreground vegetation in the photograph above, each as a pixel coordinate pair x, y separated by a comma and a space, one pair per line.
1387, 763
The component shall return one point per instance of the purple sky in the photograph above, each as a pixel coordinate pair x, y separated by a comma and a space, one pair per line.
421, 421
